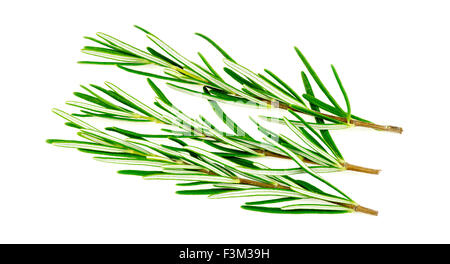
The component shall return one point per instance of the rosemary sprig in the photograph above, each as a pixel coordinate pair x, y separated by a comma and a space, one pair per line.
255, 89
114, 103
223, 176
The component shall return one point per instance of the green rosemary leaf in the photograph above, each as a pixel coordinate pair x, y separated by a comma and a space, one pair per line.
310, 141
131, 49
146, 162
326, 138
112, 154
256, 93
91, 99
70, 124
111, 63
315, 114
116, 141
219, 135
257, 192
195, 183
223, 98
134, 102
315, 175
257, 79
104, 102
142, 173
148, 74
202, 191
344, 93
210, 41
321, 207
308, 186
207, 165
157, 147
211, 156
291, 171
125, 132
175, 166
142, 29
100, 109
96, 139
317, 79
192, 66
178, 141
227, 150
73, 119
240, 79
324, 106
113, 55
189, 177
264, 130
308, 154
317, 126
275, 210
158, 92
210, 68
325, 133
234, 186
285, 85
270, 201
119, 98
162, 57
83, 145
276, 86
101, 42
226, 119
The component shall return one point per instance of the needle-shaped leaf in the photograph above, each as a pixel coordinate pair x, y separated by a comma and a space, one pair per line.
202, 191
271, 201
285, 85
324, 106
215, 45
317, 126
344, 93
162, 57
208, 65
73, 119
226, 119
83, 145
223, 98
257, 192
317, 79
146, 162
275, 210
312, 173
117, 141
96, 108
158, 92
131, 49
326, 134
189, 177
309, 140
322, 207
157, 76
141, 106
258, 80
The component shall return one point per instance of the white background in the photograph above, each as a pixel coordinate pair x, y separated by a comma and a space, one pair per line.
393, 57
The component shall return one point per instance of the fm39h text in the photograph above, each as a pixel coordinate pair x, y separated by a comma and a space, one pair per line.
246, 253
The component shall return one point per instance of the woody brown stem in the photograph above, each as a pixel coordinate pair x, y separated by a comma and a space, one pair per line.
346, 165
356, 208
359, 123
354, 122
361, 209
352, 167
